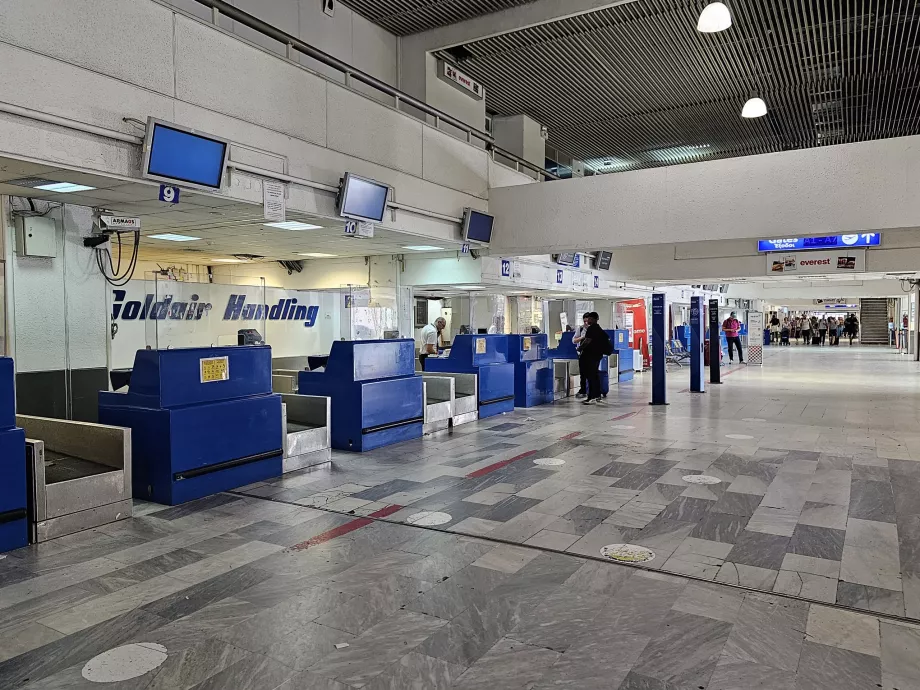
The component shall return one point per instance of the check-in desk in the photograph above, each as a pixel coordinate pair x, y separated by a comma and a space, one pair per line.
377, 399
566, 372
439, 402
306, 421
14, 530
465, 398
79, 475
624, 355
533, 370
202, 420
487, 357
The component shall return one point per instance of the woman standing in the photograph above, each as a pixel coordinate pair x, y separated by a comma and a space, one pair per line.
822, 330
831, 330
806, 330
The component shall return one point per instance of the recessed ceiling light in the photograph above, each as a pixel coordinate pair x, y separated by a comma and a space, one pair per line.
755, 107
470, 287
64, 187
293, 225
319, 255
173, 237
715, 17
424, 248
227, 261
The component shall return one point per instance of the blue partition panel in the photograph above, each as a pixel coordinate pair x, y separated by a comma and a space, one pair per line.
14, 528
487, 357
626, 371
202, 420
377, 398
533, 371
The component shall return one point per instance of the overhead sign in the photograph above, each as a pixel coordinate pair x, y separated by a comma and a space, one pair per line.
169, 194
273, 202
597, 282
119, 223
237, 309
506, 268
798, 244
817, 263
465, 82
361, 230
560, 274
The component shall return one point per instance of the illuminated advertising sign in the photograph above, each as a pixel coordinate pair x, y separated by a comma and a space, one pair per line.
799, 244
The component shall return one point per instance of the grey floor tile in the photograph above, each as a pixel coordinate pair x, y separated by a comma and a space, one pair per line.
872, 500
741, 674
734, 503
641, 606
747, 576
508, 664
870, 598
900, 648
721, 527
817, 542
579, 521
414, 670
759, 550
255, 672
829, 667
824, 515
596, 663
687, 509
806, 585
547, 539
769, 632
710, 601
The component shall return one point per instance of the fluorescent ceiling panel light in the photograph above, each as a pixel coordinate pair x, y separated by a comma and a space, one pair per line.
173, 237
319, 255
470, 287
715, 17
293, 225
755, 107
64, 187
227, 261
424, 248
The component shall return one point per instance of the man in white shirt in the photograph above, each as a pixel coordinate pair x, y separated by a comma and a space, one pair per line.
431, 335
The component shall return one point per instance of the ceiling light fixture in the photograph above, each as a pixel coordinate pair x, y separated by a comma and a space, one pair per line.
715, 17
424, 248
755, 107
293, 225
470, 287
319, 255
227, 261
173, 237
64, 187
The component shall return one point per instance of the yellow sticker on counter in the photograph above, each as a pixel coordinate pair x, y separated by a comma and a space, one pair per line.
525, 344
215, 369
480, 346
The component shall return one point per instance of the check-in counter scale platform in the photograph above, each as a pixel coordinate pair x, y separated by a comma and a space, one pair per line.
487, 357
202, 420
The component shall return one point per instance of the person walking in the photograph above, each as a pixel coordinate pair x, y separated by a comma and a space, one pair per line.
831, 330
774, 329
595, 346
578, 339
431, 337
806, 330
822, 330
852, 327
732, 328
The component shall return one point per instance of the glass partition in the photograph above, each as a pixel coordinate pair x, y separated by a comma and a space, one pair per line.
369, 313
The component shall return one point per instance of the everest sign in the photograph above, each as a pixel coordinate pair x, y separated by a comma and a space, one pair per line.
817, 263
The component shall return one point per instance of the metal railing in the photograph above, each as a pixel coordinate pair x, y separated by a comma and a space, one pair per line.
219, 7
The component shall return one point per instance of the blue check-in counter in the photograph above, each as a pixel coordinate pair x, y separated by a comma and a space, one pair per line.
14, 527
566, 353
377, 398
533, 369
487, 357
202, 420
624, 354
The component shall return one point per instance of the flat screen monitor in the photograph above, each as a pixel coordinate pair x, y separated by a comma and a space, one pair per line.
362, 199
566, 259
602, 260
184, 157
477, 226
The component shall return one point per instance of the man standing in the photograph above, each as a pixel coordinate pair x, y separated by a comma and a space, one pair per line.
732, 328
431, 337
577, 339
594, 347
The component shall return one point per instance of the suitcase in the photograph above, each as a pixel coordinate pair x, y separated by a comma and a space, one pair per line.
816, 340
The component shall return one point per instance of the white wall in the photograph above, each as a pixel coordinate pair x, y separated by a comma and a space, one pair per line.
861, 187
140, 58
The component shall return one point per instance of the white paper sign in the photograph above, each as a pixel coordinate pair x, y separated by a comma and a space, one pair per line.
274, 207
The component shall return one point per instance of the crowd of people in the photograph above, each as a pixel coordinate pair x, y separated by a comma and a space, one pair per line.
813, 330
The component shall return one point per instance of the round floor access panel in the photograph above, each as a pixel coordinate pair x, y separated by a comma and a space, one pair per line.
739, 437
125, 662
429, 518
701, 479
627, 553
551, 462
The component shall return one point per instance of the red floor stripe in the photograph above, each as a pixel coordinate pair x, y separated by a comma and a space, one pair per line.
498, 465
624, 416
346, 528
569, 437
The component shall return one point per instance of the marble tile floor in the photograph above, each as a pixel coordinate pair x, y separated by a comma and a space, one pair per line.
280, 597
829, 472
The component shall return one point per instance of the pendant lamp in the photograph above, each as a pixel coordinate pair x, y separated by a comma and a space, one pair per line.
715, 17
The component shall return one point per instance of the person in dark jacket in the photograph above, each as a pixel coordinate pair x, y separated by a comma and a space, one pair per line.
593, 349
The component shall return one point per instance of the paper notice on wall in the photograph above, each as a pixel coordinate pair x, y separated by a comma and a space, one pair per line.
480, 346
273, 202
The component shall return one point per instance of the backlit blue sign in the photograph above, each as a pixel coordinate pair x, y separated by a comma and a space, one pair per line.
798, 244
506, 268
559, 274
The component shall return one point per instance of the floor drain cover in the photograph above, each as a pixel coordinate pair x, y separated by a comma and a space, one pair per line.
628, 553
549, 461
124, 663
701, 479
739, 437
429, 518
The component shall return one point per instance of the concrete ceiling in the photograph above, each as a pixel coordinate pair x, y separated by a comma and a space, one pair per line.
225, 227
404, 17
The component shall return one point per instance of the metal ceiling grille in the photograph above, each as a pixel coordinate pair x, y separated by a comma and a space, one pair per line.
403, 17
636, 86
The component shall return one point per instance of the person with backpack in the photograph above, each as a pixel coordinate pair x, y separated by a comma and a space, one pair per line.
595, 346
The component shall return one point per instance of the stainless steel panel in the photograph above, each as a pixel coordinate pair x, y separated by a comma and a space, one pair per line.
294, 363
298, 462
465, 418
35, 455
82, 520
84, 493
284, 383
311, 416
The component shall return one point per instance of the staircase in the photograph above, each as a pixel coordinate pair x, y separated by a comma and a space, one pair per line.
873, 321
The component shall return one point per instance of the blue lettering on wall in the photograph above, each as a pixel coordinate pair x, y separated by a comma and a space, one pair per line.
237, 309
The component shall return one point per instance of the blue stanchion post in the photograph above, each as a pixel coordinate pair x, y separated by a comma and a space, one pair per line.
715, 343
697, 329
659, 341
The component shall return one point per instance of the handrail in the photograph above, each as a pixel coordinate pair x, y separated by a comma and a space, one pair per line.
219, 7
